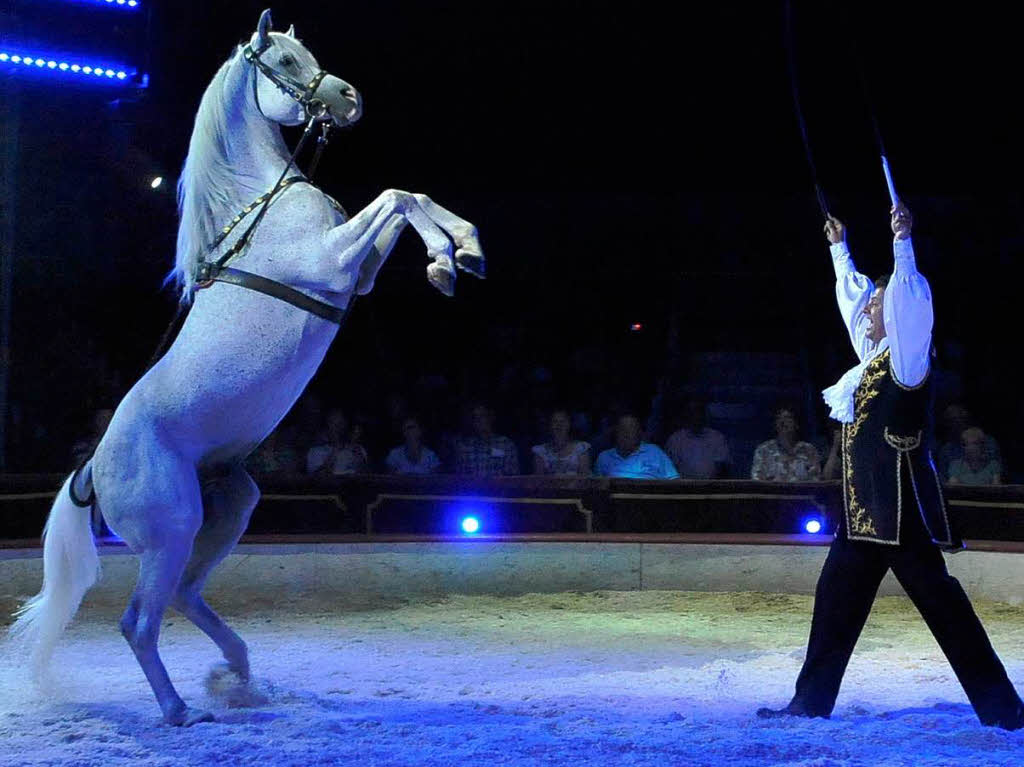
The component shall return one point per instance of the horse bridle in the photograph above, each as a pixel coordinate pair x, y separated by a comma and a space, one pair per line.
208, 272
316, 109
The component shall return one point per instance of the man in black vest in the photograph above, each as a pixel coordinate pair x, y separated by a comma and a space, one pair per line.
894, 514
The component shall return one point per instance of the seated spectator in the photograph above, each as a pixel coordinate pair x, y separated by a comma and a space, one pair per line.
976, 467
834, 462
413, 457
340, 451
485, 454
955, 419
561, 455
697, 451
785, 459
632, 458
276, 455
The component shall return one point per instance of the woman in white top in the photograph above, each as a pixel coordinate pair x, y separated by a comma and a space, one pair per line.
561, 455
413, 457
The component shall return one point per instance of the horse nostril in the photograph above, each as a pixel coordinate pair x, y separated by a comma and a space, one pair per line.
349, 93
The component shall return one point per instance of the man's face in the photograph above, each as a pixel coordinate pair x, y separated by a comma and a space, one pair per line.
337, 425
413, 433
627, 435
482, 421
873, 310
560, 426
974, 445
785, 423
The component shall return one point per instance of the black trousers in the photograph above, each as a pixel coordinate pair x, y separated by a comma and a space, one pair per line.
846, 590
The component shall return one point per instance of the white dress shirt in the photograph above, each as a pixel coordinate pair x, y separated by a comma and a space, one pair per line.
908, 317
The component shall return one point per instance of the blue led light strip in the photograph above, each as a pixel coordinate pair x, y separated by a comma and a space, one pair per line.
71, 66
126, 4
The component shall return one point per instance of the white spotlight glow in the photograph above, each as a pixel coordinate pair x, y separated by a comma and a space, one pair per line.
156, 182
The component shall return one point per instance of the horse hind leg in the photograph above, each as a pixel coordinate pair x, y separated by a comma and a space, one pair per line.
160, 570
227, 505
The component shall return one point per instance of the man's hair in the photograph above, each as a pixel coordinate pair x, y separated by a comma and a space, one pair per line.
787, 406
972, 432
882, 282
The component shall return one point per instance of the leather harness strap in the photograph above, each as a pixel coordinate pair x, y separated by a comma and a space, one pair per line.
280, 291
208, 272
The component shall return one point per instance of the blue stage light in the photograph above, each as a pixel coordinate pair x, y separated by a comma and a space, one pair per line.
470, 525
67, 66
812, 526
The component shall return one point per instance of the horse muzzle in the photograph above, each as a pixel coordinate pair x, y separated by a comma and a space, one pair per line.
341, 101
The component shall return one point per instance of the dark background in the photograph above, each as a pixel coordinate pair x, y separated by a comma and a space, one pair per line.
623, 164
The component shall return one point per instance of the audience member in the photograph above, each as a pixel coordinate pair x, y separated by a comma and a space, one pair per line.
561, 455
976, 467
785, 459
276, 455
341, 451
413, 457
484, 453
955, 419
698, 451
632, 458
834, 462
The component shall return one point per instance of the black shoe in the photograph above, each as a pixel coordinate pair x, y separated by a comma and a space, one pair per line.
793, 709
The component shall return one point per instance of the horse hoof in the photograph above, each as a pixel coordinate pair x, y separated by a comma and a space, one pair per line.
232, 689
189, 717
472, 262
441, 278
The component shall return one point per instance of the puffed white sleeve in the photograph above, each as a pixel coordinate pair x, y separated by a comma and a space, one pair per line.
853, 291
908, 314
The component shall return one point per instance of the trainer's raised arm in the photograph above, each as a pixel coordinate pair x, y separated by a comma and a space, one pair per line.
907, 305
853, 289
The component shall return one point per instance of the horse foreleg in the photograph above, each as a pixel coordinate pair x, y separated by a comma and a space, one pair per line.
380, 252
469, 256
355, 239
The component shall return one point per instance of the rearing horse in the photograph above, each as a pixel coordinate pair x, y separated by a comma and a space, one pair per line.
168, 475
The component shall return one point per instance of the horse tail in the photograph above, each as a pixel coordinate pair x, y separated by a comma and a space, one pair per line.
70, 567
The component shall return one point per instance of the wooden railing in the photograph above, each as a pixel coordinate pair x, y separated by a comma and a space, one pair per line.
374, 507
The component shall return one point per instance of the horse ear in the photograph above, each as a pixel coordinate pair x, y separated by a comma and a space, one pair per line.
291, 31
263, 29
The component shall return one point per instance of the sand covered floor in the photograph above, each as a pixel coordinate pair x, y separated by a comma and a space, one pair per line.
623, 678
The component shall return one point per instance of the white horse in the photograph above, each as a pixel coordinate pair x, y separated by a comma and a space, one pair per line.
167, 475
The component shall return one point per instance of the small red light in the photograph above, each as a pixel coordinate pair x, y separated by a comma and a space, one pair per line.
636, 326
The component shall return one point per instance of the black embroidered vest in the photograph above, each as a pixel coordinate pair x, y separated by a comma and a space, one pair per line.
887, 468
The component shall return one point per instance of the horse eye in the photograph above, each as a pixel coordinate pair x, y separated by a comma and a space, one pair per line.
287, 60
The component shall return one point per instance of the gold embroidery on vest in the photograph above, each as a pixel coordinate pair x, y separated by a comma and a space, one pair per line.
903, 444
868, 388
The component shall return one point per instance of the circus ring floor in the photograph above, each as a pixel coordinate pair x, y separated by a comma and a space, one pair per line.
503, 652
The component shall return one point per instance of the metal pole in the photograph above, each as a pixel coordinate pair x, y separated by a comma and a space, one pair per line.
10, 108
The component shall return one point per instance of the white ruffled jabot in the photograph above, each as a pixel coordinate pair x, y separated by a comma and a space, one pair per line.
839, 396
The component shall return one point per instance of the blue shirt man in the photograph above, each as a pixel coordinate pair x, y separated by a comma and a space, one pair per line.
633, 459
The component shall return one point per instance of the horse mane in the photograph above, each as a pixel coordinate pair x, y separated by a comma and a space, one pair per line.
208, 188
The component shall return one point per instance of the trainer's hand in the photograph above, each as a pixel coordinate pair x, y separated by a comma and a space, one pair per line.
901, 221
834, 230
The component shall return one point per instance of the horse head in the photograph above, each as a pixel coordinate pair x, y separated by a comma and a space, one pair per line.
289, 87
